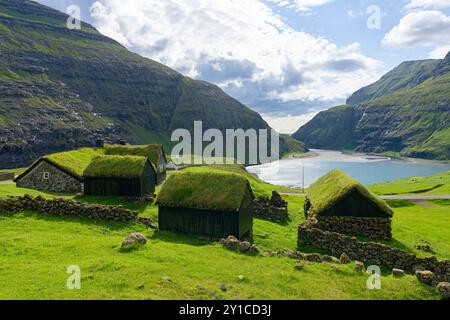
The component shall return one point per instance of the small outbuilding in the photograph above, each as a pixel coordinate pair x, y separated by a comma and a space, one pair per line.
154, 152
121, 176
209, 203
341, 204
58, 172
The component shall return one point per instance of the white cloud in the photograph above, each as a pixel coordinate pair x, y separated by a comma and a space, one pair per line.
427, 4
243, 46
426, 28
301, 5
439, 52
289, 124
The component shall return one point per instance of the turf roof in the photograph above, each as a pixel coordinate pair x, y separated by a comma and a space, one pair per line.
116, 166
204, 189
151, 151
334, 186
75, 161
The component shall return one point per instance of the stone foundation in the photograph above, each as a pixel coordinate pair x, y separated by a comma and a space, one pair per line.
369, 252
374, 228
273, 209
64, 207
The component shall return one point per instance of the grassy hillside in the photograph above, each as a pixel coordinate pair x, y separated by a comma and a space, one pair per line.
438, 184
62, 89
406, 113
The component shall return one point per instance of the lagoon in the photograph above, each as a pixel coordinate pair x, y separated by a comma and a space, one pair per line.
366, 168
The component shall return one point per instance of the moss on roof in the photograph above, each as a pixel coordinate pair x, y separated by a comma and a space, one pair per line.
334, 186
75, 161
202, 188
151, 151
116, 166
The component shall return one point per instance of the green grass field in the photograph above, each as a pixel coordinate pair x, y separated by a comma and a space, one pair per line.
438, 184
36, 250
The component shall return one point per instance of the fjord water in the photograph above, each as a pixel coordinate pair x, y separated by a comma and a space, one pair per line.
366, 168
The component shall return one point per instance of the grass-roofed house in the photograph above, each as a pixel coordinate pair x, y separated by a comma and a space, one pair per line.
154, 152
209, 203
120, 176
341, 204
59, 172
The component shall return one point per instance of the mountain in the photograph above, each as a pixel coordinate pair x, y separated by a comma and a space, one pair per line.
406, 112
62, 89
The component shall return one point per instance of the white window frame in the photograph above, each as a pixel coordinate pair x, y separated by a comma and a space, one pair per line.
46, 175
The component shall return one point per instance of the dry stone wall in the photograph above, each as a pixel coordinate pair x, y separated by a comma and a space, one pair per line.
65, 207
273, 209
369, 252
374, 228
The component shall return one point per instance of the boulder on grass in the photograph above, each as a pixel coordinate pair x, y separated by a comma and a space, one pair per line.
345, 259
444, 289
359, 266
134, 240
398, 272
426, 277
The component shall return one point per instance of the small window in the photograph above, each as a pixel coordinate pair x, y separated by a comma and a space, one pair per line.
46, 175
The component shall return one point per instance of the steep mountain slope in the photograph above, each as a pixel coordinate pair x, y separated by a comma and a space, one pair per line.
407, 111
62, 89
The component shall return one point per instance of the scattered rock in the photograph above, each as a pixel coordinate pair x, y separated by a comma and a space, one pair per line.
334, 267
426, 277
299, 267
312, 257
398, 272
241, 278
444, 289
244, 246
141, 286
223, 287
329, 259
359, 266
345, 259
134, 240
166, 279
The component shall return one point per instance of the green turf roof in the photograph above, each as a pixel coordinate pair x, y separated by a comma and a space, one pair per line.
334, 186
75, 161
151, 151
116, 166
199, 188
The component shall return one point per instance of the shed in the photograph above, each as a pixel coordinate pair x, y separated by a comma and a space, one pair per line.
154, 152
210, 203
337, 194
121, 176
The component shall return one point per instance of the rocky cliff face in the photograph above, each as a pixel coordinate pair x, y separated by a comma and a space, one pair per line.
62, 89
407, 112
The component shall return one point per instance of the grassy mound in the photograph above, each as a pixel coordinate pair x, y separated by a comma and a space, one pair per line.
116, 166
151, 151
75, 161
204, 189
334, 186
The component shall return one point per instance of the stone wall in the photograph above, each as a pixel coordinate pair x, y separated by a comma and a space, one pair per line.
65, 207
369, 252
273, 209
374, 228
58, 181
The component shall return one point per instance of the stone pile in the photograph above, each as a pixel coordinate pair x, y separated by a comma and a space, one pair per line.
370, 252
232, 243
273, 209
66, 207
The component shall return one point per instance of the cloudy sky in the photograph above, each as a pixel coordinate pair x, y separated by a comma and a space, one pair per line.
287, 59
